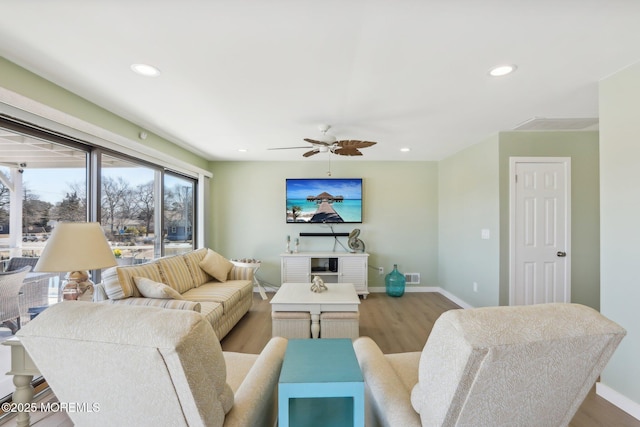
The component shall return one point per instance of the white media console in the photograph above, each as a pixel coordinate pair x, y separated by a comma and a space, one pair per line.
332, 267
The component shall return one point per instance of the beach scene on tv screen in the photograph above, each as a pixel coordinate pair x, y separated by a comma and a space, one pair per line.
324, 200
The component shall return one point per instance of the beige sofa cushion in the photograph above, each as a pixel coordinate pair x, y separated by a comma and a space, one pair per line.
150, 289
229, 294
193, 259
216, 265
126, 275
175, 273
119, 282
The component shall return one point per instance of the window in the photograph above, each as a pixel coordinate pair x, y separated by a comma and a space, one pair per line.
128, 208
178, 213
48, 184
145, 210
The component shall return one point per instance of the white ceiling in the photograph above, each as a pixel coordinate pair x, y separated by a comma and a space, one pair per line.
256, 74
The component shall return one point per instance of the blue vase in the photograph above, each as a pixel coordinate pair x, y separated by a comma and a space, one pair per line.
394, 282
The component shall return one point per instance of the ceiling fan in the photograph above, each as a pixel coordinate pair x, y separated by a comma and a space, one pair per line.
328, 143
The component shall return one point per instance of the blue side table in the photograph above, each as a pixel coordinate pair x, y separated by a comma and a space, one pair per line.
320, 385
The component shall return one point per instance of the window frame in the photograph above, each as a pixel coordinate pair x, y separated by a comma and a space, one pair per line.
94, 174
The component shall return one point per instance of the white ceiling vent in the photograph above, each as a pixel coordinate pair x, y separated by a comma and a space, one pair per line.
541, 123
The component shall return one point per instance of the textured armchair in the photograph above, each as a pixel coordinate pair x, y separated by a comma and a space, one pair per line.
10, 284
35, 291
18, 262
148, 366
496, 366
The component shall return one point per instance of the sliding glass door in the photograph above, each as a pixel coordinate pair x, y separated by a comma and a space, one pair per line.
145, 210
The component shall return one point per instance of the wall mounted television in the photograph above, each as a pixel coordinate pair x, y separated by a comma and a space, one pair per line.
324, 200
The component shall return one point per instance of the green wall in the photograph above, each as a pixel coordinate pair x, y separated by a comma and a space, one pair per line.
25, 83
582, 147
468, 203
474, 195
400, 224
620, 234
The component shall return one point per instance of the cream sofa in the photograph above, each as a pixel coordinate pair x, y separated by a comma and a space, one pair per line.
222, 301
167, 371
492, 366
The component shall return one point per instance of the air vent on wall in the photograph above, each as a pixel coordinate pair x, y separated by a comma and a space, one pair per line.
542, 123
412, 278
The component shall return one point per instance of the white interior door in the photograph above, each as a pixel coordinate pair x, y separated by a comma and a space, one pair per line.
540, 229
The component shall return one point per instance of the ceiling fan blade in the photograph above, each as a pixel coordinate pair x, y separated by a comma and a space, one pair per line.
311, 153
354, 143
287, 148
350, 151
316, 142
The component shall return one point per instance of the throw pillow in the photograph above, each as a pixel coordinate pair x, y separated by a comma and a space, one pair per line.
150, 289
216, 265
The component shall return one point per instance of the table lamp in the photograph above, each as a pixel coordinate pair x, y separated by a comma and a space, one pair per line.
76, 248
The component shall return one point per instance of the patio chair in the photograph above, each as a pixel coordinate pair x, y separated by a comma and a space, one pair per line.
18, 262
10, 284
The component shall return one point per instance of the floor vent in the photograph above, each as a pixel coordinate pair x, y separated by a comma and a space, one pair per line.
412, 278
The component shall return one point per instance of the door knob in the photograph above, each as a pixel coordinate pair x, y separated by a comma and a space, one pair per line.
561, 254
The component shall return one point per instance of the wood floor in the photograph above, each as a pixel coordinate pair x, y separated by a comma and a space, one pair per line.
403, 324
397, 325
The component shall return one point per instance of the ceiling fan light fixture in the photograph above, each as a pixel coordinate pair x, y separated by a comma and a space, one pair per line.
329, 139
145, 70
325, 137
502, 70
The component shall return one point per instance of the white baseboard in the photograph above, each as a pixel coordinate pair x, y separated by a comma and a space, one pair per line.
454, 298
438, 289
623, 402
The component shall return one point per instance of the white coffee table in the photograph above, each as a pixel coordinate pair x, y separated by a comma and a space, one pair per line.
299, 297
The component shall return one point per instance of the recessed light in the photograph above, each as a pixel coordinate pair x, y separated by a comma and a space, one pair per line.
145, 70
502, 70
242, 150
405, 149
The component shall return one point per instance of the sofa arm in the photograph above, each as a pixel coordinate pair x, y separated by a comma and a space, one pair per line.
99, 294
175, 304
241, 273
388, 396
255, 400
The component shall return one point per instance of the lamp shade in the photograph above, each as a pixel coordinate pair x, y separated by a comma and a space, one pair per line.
76, 246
